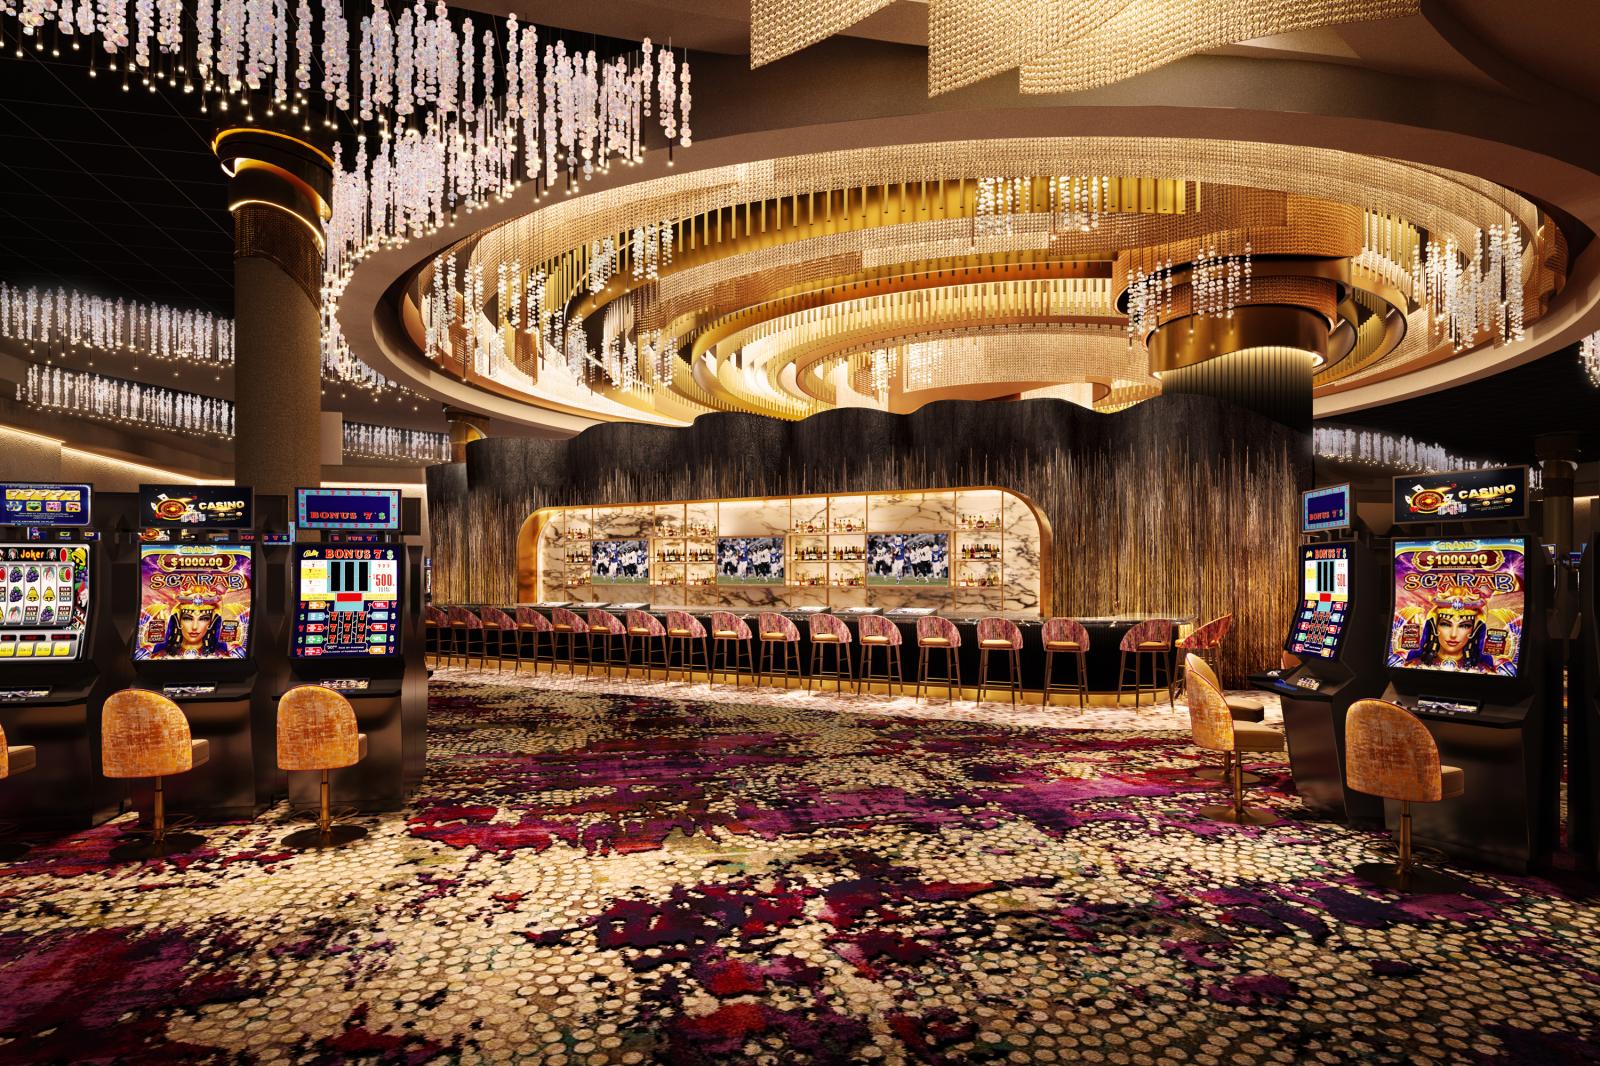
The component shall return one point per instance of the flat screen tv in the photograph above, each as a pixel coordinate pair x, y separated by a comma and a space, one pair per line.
1458, 605
347, 601
908, 559
194, 602
1319, 619
44, 600
620, 562
750, 561
1325, 508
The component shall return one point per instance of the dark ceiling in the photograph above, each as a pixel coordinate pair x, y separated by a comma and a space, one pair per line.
1499, 417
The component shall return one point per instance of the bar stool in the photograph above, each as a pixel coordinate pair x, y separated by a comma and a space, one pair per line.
646, 628
938, 634
1388, 752
144, 734
1066, 636
465, 626
1150, 639
775, 631
530, 623
604, 627
1215, 730
1000, 635
565, 623
827, 631
14, 760
730, 633
317, 731
1202, 642
879, 632
684, 631
501, 625
433, 620
458, 636
1243, 709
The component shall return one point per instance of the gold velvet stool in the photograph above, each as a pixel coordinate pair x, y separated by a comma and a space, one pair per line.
144, 734
317, 731
1388, 752
1215, 729
1242, 708
13, 761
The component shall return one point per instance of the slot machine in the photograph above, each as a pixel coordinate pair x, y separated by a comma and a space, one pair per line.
353, 630
1583, 720
1335, 636
58, 652
192, 625
1465, 652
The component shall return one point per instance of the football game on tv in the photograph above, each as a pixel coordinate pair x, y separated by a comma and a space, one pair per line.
750, 561
1458, 605
621, 562
908, 559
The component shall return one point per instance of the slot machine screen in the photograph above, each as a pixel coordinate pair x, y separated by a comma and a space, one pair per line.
347, 601
1458, 605
194, 602
44, 600
1319, 620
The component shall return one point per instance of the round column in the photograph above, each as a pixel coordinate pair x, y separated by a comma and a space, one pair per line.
278, 194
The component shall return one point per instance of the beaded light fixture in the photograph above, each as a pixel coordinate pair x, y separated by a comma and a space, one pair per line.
1589, 356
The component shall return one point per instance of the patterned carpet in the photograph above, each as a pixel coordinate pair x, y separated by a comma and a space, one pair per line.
596, 877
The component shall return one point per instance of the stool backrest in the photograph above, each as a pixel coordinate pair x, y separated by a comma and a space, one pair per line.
931, 626
876, 625
433, 616
600, 618
1207, 636
494, 616
683, 620
827, 625
527, 616
1150, 631
143, 734
316, 730
728, 622
1388, 752
1065, 630
563, 617
649, 623
1203, 668
460, 616
999, 629
771, 622
1210, 721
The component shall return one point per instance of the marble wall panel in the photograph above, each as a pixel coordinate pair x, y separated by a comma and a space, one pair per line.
911, 512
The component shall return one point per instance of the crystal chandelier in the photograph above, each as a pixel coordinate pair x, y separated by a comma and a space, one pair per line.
651, 248
997, 201
1059, 45
1589, 356
69, 319
1076, 202
364, 441
127, 402
1468, 296
1387, 451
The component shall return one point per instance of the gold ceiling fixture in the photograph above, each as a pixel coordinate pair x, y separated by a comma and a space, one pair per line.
1060, 46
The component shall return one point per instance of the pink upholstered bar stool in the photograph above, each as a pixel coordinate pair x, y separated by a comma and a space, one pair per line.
779, 637
938, 634
502, 627
317, 732
827, 631
879, 632
1152, 640
604, 630
1001, 636
144, 734
1068, 637
730, 634
685, 633
565, 623
14, 760
434, 623
532, 626
646, 632
468, 627
1202, 642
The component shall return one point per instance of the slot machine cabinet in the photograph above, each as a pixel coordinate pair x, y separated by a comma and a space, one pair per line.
1494, 727
273, 616
349, 632
216, 695
1336, 633
53, 702
414, 685
1583, 721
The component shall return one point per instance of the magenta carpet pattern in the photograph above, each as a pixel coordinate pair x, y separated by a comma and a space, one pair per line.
602, 878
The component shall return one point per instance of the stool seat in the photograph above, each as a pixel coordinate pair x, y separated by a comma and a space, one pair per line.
1452, 782
1153, 645
200, 751
526, 626
679, 633
824, 638
639, 631
1251, 736
361, 745
598, 629
937, 642
1245, 710
874, 640
994, 644
726, 634
1063, 645
561, 626
20, 758
773, 636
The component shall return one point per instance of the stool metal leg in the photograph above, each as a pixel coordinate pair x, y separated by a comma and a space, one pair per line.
324, 834
161, 842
